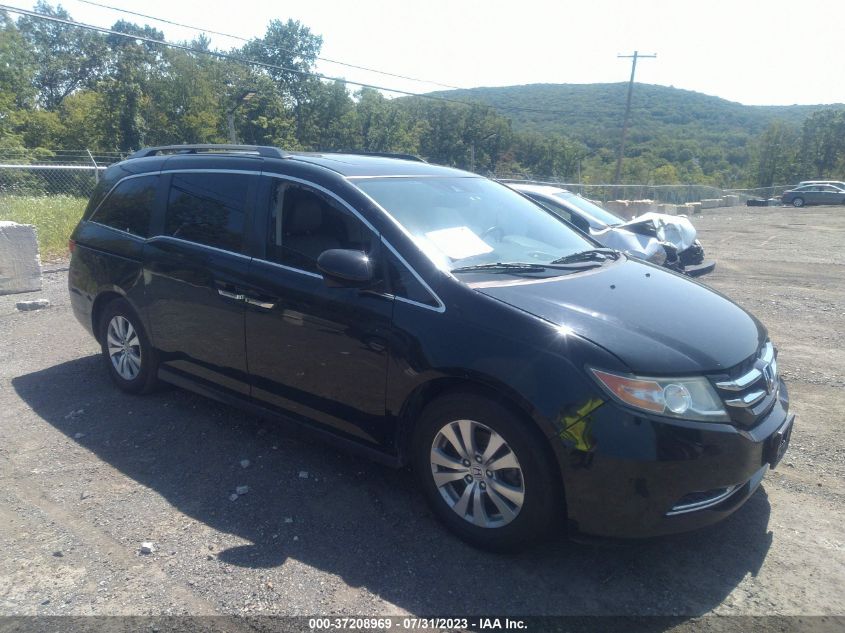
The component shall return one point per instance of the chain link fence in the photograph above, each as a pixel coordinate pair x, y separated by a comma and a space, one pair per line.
74, 173
41, 172
664, 194
49, 190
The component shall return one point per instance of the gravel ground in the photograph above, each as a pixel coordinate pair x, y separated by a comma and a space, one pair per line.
88, 474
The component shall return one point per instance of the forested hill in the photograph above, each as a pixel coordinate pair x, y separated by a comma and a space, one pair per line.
592, 113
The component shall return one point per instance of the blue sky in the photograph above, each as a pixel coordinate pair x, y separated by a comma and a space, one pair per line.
754, 52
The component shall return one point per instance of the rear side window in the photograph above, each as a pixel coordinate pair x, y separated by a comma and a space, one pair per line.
129, 206
208, 208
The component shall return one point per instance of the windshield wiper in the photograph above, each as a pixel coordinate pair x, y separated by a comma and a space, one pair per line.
592, 255
501, 266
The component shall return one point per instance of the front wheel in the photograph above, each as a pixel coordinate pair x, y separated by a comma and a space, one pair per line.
486, 472
798, 202
131, 360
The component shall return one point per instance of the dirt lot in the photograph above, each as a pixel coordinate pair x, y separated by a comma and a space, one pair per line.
88, 474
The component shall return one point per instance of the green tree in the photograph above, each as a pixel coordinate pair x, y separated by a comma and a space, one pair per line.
823, 144
291, 48
126, 85
67, 58
775, 156
17, 69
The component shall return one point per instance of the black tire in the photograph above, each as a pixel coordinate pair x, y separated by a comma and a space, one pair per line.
543, 504
145, 379
798, 202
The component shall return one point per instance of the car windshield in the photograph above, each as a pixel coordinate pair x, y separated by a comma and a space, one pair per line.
462, 222
595, 215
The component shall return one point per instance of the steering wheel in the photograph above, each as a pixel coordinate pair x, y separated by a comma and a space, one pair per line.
494, 229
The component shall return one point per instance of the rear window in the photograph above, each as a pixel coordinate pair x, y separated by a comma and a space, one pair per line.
129, 206
208, 208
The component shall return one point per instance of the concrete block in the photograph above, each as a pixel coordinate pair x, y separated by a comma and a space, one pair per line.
711, 203
694, 207
668, 209
730, 200
35, 304
20, 264
619, 207
638, 207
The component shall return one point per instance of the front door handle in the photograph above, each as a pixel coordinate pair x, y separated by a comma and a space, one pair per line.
230, 295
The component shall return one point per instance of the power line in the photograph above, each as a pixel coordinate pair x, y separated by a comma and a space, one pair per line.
244, 39
252, 62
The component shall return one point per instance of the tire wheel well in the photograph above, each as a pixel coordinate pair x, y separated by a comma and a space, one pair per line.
100, 303
439, 387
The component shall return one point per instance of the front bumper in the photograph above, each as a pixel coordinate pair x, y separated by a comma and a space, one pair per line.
700, 269
631, 474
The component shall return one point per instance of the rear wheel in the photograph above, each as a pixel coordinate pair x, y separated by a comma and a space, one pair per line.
486, 473
798, 202
131, 360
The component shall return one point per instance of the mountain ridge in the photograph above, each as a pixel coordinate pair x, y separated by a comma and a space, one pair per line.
595, 111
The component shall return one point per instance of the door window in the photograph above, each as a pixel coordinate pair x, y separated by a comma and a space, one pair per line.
129, 206
304, 223
208, 208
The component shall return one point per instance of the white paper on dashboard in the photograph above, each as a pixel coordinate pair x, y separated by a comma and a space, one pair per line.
458, 242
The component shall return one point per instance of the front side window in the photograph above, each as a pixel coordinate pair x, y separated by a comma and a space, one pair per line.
208, 208
598, 215
304, 223
129, 206
556, 208
465, 221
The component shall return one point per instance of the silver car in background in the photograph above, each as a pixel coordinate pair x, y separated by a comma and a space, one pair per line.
666, 240
817, 193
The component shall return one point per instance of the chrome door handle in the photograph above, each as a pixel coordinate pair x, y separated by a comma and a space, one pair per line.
267, 305
230, 295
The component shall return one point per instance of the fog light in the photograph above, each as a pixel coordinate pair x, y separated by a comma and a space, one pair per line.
677, 398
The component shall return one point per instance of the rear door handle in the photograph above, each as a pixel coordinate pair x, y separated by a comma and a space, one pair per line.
230, 295
267, 305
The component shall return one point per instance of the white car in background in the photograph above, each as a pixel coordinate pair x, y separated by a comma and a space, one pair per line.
666, 240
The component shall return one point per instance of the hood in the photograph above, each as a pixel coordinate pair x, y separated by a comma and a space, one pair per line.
677, 229
653, 320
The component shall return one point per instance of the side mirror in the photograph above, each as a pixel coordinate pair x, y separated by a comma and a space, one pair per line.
343, 268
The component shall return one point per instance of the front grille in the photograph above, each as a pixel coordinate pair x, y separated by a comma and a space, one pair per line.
749, 389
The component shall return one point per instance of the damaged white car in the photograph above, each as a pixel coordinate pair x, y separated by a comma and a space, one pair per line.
666, 240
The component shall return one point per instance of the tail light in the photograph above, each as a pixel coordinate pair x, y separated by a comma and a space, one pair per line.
71, 246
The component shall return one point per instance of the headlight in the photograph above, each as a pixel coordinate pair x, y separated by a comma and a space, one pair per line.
686, 398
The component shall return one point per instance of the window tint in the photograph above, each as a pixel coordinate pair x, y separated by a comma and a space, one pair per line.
304, 223
129, 206
208, 208
402, 282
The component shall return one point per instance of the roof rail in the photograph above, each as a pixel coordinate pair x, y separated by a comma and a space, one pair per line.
399, 156
262, 150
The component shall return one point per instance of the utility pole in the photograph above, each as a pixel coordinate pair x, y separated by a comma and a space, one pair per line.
618, 177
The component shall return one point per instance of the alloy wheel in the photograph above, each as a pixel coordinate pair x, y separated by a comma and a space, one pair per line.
124, 347
477, 473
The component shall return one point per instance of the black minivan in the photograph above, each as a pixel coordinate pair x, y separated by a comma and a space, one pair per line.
431, 317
